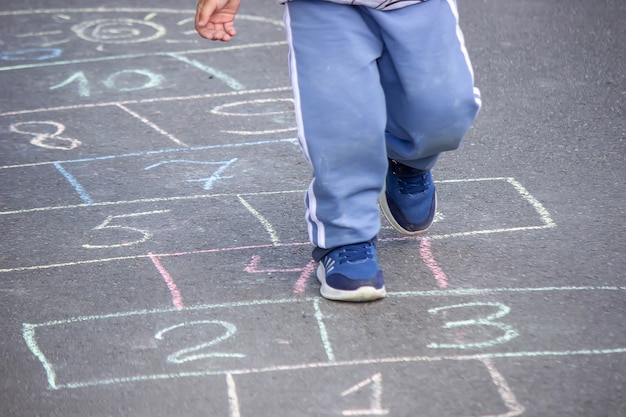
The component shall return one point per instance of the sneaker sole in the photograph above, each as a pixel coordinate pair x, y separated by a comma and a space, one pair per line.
382, 202
361, 294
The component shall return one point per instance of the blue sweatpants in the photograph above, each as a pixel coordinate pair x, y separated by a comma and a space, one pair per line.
370, 85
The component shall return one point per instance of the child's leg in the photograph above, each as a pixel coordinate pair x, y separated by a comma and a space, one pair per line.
428, 82
340, 111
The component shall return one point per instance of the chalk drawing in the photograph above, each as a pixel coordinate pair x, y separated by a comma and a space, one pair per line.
428, 258
151, 124
207, 182
36, 54
46, 140
29, 330
266, 224
509, 332
152, 80
221, 110
80, 190
106, 224
515, 408
233, 399
300, 285
185, 355
119, 31
220, 75
177, 299
319, 316
375, 409
80, 79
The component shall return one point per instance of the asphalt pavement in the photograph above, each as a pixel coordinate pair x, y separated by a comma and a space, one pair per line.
154, 258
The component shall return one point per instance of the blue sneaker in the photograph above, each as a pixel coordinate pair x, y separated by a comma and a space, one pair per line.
351, 273
409, 201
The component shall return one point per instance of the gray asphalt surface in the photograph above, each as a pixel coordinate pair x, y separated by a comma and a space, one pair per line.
154, 259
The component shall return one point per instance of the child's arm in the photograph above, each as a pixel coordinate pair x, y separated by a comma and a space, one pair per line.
214, 19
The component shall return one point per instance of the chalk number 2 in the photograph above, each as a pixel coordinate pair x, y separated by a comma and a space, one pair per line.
508, 332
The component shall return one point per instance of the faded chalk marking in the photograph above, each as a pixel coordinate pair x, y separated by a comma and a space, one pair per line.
220, 109
376, 381
160, 152
152, 125
259, 132
47, 140
74, 183
28, 333
266, 224
300, 286
208, 182
429, 259
227, 79
148, 100
323, 333
233, 399
508, 331
177, 299
515, 408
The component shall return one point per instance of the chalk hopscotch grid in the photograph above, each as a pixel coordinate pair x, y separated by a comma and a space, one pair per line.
546, 221
29, 335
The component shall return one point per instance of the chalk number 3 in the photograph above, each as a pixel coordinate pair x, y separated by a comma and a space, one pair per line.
508, 332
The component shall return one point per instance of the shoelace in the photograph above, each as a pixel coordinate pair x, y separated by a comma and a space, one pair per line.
356, 253
410, 180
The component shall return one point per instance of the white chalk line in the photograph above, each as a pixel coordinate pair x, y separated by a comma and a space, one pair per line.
264, 222
152, 125
149, 100
505, 391
336, 364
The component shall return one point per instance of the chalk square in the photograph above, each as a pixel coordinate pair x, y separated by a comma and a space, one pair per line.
436, 389
263, 114
255, 167
482, 206
164, 344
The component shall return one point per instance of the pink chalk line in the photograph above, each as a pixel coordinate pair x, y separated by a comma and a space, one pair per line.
428, 258
298, 287
177, 299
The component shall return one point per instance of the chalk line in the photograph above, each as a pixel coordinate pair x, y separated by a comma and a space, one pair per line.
300, 286
266, 224
177, 299
149, 100
505, 391
220, 75
335, 364
157, 152
74, 183
233, 399
323, 333
428, 258
152, 125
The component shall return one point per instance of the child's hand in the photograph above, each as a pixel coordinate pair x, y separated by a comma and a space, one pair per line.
214, 19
